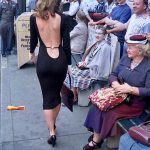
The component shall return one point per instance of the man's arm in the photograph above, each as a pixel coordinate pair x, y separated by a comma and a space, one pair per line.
118, 26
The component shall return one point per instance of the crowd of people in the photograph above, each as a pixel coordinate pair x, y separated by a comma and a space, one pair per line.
62, 30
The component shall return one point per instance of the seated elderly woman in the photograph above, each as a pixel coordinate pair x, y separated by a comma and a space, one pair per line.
134, 69
93, 65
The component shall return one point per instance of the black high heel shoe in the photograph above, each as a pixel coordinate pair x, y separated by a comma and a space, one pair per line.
52, 140
88, 147
91, 139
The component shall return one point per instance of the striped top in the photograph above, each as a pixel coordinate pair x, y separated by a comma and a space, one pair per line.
138, 24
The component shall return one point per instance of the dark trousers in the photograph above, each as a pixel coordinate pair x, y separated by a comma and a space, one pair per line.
6, 31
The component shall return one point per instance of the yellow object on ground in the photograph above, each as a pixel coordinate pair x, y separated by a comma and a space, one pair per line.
16, 108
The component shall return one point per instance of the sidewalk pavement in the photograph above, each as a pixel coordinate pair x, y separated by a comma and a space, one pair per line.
26, 129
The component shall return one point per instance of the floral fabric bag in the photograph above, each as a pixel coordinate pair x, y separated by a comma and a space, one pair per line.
106, 98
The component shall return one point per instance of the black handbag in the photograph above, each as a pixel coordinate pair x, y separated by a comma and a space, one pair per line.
67, 95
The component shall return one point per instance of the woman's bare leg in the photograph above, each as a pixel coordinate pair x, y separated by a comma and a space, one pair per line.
50, 117
75, 92
96, 138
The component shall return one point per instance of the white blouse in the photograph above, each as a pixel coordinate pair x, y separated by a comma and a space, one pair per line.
74, 7
136, 25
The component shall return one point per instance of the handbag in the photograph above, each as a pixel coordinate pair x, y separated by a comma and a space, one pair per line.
141, 133
106, 98
67, 95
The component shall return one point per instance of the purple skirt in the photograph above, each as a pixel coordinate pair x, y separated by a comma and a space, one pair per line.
103, 122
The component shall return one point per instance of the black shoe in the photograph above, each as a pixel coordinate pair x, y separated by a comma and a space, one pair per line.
52, 140
95, 145
91, 139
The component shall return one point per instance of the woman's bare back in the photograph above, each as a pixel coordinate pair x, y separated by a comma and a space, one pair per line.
49, 31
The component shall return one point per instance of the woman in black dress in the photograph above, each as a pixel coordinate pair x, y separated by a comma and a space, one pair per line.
51, 29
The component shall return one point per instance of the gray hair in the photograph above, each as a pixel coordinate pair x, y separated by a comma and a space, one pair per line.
144, 49
81, 16
101, 29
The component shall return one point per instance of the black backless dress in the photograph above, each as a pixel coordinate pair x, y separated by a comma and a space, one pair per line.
51, 72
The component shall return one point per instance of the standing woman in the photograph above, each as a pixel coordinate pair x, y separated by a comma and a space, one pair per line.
51, 28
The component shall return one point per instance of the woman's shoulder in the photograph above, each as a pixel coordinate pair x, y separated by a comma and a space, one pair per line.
63, 16
147, 62
33, 17
32, 20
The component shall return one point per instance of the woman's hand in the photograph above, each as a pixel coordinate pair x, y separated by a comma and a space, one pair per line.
108, 31
33, 58
115, 84
82, 64
92, 23
119, 26
123, 88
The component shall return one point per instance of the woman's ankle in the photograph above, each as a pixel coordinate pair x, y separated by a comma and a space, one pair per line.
52, 131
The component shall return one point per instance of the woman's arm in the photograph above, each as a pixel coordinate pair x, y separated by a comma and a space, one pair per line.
33, 34
145, 91
119, 26
73, 10
33, 38
113, 78
138, 91
126, 88
87, 51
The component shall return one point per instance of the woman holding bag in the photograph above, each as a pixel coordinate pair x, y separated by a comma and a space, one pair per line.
134, 69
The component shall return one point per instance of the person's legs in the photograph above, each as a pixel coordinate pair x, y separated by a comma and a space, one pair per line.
75, 92
4, 39
10, 34
97, 138
50, 117
95, 141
